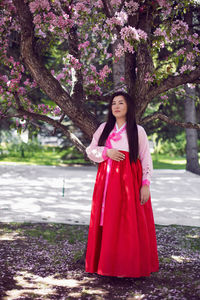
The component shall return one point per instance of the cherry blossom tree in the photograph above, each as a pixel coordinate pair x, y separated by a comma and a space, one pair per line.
160, 52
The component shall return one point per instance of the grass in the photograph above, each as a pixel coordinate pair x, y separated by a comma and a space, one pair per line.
54, 156
51, 156
161, 161
55, 232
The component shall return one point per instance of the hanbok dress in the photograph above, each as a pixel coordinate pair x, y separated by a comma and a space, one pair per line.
121, 237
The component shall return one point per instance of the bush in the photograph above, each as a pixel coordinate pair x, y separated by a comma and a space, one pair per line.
15, 147
172, 148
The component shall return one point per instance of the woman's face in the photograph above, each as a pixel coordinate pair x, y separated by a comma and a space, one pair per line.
119, 107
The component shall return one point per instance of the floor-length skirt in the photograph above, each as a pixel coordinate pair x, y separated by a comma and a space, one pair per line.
126, 243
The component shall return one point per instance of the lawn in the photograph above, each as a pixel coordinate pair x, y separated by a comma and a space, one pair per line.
51, 156
42, 261
54, 156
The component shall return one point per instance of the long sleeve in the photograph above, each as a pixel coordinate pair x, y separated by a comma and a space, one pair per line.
95, 152
145, 156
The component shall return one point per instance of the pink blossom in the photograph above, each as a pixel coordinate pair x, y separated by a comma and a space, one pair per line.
41, 33
131, 7
196, 49
162, 45
190, 56
99, 45
39, 5
21, 91
37, 19
93, 68
160, 32
162, 3
129, 32
27, 82
81, 7
119, 51
165, 4
69, 81
164, 97
186, 68
115, 3
193, 39
148, 77
4, 78
108, 55
181, 51
179, 28
34, 84
104, 72
142, 34
128, 47
83, 45
98, 4
120, 19
33, 6
191, 86
60, 76
57, 111
183, 69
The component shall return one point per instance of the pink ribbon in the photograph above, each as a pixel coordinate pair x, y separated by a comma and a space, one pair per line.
115, 136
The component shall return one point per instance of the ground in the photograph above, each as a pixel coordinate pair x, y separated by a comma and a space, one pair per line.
42, 261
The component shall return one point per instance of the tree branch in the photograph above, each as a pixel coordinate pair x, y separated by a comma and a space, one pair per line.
121, 5
172, 82
73, 108
54, 123
197, 81
158, 115
108, 9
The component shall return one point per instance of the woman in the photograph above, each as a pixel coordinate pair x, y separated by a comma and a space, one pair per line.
121, 238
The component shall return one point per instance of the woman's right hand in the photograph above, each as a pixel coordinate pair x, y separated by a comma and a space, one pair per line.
114, 154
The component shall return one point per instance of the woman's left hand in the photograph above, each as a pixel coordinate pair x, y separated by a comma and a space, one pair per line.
144, 194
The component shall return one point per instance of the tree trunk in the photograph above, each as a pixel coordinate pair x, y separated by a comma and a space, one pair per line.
118, 69
191, 134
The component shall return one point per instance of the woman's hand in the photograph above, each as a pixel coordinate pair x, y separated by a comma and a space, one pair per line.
144, 194
115, 154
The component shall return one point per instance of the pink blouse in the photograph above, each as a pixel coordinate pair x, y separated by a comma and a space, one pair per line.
98, 153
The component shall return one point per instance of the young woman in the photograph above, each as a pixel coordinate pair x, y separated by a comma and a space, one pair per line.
121, 238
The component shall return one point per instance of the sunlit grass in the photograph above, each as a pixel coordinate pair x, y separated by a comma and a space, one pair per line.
167, 162
52, 156
52, 233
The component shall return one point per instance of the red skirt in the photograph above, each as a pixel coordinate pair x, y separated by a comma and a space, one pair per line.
125, 245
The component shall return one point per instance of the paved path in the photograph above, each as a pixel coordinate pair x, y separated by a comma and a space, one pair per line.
63, 195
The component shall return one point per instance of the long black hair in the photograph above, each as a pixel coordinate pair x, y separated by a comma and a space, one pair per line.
131, 126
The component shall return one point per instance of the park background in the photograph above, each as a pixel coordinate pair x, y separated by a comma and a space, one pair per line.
60, 62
